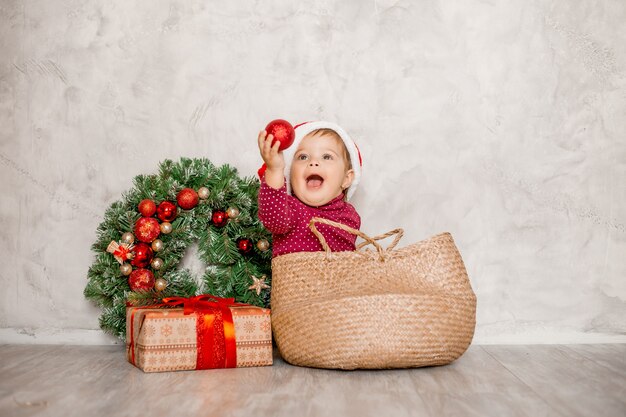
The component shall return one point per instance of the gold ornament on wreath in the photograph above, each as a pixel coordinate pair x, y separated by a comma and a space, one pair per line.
203, 193
263, 245
157, 245
126, 269
232, 212
128, 238
166, 228
160, 284
156, 263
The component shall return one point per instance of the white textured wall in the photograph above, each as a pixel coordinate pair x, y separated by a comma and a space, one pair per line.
502, 122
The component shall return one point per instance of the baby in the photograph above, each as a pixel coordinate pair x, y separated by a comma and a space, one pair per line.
313, 178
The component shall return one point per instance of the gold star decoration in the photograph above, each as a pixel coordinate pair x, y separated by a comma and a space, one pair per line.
259, 284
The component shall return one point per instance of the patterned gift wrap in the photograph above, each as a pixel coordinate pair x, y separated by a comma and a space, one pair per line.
170, 339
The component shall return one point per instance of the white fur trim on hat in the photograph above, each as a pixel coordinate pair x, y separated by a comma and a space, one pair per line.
353, 152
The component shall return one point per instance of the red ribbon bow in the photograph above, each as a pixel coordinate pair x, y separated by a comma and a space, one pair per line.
204, 301
121, 252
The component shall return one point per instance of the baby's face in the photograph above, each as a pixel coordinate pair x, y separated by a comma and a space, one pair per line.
319, 170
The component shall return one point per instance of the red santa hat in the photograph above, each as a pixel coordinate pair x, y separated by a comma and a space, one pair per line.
354, 154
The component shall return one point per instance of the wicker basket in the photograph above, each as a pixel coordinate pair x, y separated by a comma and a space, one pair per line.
373, 309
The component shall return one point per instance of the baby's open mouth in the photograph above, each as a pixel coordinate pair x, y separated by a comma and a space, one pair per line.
314, 181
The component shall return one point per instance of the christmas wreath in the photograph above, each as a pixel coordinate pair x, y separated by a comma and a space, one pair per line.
145, 235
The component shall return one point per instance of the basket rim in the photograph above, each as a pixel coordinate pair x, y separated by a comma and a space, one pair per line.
395, 253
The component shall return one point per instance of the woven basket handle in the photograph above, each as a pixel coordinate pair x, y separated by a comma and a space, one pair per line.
368, 240
398, 232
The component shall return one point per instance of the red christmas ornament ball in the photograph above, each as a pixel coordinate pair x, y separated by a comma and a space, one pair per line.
282, 131
167, 211
244, 245
147, 229
147, 208
143, 255
141, 280
219, 218
187, 198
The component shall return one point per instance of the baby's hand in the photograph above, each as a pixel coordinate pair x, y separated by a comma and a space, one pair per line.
274, 160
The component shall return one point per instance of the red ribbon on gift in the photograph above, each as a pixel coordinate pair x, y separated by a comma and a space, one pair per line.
216, 345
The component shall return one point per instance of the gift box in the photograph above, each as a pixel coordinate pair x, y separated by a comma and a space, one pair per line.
201, 332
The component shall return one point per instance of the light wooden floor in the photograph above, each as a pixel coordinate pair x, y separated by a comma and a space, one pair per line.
539, 380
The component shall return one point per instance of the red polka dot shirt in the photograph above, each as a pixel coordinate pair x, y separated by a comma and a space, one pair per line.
288, 220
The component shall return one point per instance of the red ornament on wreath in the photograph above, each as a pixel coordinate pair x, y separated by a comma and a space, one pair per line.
147, 208
147, 229
143, 255
219, 218
166, 211
141, 280
282, 132
187, 198
244, 245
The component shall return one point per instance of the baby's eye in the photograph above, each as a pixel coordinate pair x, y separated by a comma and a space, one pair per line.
303, 157
327, 157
